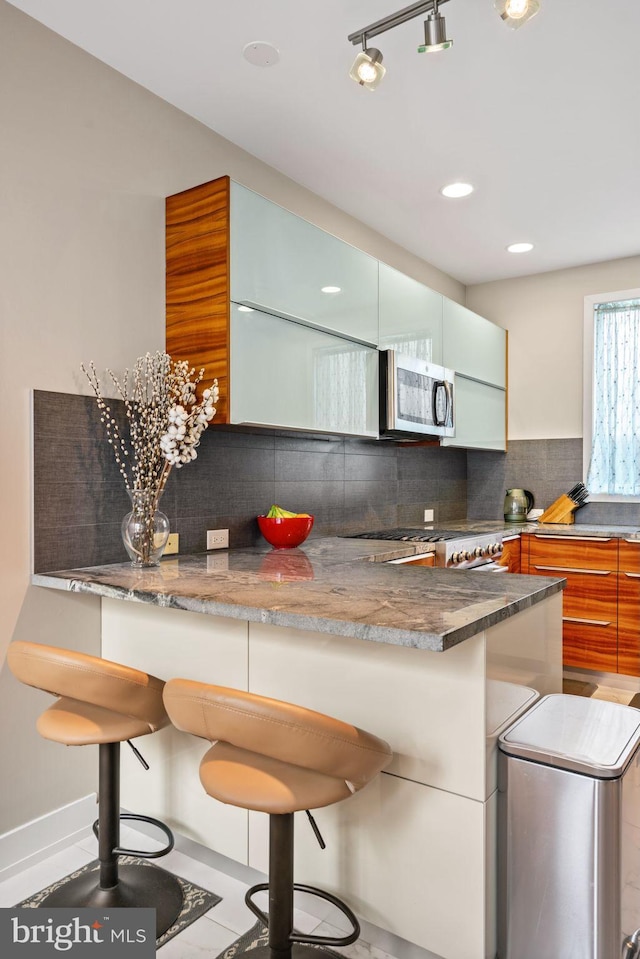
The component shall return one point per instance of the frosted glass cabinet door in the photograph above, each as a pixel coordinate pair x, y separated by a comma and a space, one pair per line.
281, 262
410, 316
472, 345
285, 374
480, 416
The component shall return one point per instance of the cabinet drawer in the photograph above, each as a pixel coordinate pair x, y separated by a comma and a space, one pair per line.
629, 556
589, 646
592, 595
572, 553
629, 623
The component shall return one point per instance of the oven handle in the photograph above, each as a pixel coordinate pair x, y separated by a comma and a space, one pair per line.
492, 568
439, 385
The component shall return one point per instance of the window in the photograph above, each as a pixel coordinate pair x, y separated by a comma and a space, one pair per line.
612, 396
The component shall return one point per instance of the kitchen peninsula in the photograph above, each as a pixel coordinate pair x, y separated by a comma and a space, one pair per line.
435, 661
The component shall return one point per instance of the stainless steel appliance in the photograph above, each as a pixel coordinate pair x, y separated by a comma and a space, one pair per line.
454, 549
569, 794
415, 396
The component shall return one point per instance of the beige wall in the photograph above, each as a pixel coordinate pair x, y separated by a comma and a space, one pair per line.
545, 315
86, 159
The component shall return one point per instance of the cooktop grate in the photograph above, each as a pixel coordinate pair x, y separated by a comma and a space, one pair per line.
410, 535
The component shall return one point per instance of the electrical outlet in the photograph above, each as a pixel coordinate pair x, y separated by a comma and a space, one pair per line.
428, 516
173, 544
217, 539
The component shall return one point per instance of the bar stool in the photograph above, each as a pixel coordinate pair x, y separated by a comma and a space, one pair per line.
104, 703
277, 758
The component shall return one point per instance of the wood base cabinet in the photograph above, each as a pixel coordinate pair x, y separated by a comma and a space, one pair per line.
590, 599
629, 608
511, 555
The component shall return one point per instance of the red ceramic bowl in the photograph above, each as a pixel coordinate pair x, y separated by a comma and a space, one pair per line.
285, 532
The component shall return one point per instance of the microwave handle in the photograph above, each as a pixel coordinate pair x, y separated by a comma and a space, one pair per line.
441, 385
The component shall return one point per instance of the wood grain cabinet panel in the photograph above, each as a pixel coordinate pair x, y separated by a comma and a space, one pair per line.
511, 555
589, 620
590, 599
572, 553
629, 609
423, 561
198, 283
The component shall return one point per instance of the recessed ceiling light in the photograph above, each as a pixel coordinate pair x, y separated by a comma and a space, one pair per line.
519, 247
331, 289
456, 190
260, 53
245, 309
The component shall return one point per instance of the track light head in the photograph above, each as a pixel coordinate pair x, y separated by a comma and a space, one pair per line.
516, 12
367, 69
435, 33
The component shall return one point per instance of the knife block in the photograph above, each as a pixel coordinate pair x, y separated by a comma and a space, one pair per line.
561, 511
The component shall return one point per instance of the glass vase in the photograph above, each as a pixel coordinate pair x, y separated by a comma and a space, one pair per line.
145, 530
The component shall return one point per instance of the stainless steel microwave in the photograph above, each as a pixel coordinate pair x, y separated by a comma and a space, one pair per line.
415, 396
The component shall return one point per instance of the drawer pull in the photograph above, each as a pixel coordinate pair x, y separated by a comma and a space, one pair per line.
586, 622
634, 542
572, 569
633, 575
577, 539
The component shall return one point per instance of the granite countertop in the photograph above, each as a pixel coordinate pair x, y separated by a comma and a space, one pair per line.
543, 529
330, 585
582, 529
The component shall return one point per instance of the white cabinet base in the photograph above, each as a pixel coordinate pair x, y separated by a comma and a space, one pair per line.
414, 853
170, 643
406, 857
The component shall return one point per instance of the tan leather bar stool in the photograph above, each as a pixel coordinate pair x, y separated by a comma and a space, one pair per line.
104, 703
277, 758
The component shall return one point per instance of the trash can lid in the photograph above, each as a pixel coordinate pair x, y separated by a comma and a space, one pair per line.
584, 735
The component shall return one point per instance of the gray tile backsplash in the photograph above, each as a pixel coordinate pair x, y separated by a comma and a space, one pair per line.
348, 484
547, 468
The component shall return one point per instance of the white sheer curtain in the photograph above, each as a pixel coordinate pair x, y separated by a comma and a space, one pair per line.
615, 454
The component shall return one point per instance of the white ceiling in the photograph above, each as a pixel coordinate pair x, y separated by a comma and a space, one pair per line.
543, 121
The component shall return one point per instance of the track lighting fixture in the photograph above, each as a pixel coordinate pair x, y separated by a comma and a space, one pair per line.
435, 32
367, 69
516, 12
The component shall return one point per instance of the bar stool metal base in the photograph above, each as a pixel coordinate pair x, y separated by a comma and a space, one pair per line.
284, 943
138, 885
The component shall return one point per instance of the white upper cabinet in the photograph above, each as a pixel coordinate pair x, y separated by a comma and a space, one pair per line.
410, 316
480, 416
281, 263
291, 375
473, 346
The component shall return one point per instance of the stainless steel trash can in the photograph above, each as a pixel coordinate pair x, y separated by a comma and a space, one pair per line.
569, 830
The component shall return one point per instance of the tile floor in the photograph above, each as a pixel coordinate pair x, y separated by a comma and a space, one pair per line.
209, 935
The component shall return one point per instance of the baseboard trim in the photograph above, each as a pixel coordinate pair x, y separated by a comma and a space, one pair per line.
37, 840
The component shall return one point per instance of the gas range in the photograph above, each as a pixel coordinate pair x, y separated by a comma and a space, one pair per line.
454, 549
